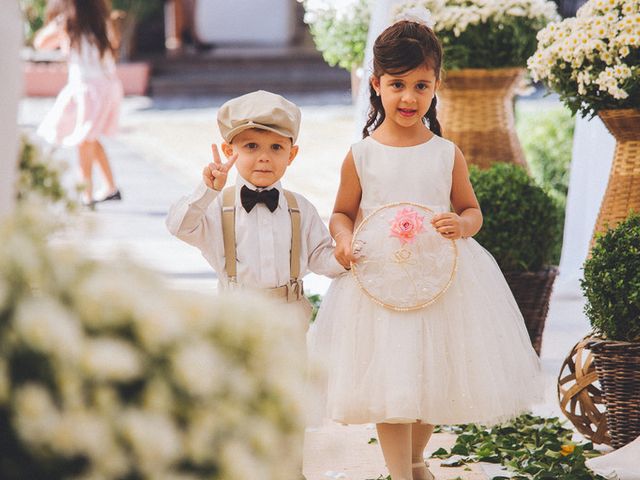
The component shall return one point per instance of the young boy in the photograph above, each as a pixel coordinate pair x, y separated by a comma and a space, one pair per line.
257, 235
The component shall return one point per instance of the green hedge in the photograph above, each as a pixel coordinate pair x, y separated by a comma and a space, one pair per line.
520, 226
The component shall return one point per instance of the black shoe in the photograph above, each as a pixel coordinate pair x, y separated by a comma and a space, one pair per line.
114, 196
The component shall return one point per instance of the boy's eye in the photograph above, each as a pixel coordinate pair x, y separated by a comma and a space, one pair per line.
251, 145
276, 146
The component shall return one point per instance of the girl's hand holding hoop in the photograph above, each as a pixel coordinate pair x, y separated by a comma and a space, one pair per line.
215, 174
343, 252
448, 225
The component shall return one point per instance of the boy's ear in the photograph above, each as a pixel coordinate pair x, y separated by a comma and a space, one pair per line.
227, 149
293, 153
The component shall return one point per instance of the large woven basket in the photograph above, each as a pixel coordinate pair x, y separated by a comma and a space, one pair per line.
623, 189
532, 291
618, 368
476, 112
580, 395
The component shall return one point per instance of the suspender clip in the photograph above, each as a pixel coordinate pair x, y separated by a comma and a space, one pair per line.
295, 290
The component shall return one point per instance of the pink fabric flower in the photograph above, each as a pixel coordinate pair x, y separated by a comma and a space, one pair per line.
406, 225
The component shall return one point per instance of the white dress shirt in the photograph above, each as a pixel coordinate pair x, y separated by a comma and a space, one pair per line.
263, 238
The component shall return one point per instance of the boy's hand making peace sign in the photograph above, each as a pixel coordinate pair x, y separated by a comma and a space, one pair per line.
215, 174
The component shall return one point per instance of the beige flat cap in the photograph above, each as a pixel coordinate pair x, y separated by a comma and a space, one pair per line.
260, 109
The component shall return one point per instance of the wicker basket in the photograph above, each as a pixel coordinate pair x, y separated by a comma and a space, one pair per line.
476, 113
532, 291
580, 395
618, 368
623, 189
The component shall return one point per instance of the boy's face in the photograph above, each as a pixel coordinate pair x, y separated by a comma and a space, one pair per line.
263, 156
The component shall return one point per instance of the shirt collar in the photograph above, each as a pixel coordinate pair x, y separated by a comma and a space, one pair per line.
240, 182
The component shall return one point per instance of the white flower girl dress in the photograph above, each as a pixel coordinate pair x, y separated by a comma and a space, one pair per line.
465, 358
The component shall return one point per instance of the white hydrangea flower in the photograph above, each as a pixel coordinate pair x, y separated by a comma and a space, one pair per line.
46, 325
157, 322
154, 439
199, 368
4, 381
239, 462
4, 293
36, 414
158, 397
112, 359
80, 433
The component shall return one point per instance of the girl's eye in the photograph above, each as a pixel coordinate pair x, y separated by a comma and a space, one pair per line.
397, 85
422, 86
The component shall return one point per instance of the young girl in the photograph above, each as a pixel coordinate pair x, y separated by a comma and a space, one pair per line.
88, 106
465, 358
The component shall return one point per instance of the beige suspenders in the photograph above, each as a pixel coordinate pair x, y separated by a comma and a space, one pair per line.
294, 289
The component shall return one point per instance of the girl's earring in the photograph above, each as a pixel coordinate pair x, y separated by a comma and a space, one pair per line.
378, 92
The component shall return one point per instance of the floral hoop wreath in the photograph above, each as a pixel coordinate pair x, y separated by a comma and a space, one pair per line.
411, 266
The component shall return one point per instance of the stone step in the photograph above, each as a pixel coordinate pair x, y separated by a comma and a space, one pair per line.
240, 70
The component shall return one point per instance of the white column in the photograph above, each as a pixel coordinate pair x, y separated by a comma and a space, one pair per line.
10, 93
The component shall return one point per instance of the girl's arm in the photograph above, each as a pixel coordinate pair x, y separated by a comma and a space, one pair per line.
345, 211
51, 36
467, 219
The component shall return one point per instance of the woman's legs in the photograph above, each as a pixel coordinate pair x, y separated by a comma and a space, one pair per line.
395, 440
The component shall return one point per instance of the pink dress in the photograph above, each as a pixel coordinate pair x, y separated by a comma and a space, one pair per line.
88, 106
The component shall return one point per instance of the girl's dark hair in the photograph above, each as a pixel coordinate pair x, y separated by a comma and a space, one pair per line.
89, 18
399, 49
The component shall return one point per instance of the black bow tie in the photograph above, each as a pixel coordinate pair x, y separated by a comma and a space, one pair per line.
249, 198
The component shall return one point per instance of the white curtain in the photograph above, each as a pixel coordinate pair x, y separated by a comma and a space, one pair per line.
10, 90
380, 19
593, 148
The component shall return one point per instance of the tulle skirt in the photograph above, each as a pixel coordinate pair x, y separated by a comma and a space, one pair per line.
84, 110
465, 358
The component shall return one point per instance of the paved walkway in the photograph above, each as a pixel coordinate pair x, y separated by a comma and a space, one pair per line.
159, 155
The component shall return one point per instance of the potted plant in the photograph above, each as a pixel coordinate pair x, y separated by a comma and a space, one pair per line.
486, 46
107, 373
520, 230
593, 62
339, 30
611, 285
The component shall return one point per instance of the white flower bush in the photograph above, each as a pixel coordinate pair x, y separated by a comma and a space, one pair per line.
105, 373
339, 29
485, 33
593, 60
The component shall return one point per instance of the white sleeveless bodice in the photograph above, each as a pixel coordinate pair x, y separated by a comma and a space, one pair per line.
418, 174
86, 64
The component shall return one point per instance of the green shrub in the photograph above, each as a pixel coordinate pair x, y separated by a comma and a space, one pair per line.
40, 175
339, 32
315, 300
547, 140
611, 282
33, 12
520, 217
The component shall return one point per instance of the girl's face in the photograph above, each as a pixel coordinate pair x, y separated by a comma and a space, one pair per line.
407, 97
